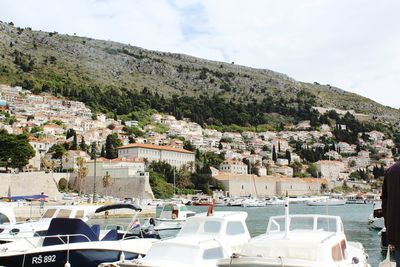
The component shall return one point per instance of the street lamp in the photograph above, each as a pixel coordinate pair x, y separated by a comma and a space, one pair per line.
94, 156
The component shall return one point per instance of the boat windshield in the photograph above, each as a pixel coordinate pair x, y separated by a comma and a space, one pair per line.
194, 227
312, 223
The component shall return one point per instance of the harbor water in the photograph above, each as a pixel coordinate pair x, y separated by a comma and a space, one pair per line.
354, 217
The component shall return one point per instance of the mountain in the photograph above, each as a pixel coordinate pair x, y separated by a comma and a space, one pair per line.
84, 68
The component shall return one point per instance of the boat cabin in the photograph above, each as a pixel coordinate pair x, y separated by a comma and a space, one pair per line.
312, 238
175, 212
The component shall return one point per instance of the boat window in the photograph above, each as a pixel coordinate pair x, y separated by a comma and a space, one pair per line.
63, 213
167, 208
213, 253
336, 253
183, 208
301, 223
326, 224
189, 227
80, 214
235, 228
212, 227
4, 218
49, 213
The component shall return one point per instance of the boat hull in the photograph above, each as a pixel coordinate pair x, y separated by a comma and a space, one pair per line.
81, 257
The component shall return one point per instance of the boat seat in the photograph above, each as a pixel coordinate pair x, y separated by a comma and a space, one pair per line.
80, 231
112, 235
96, 229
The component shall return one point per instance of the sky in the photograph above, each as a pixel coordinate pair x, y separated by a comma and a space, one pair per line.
350, 44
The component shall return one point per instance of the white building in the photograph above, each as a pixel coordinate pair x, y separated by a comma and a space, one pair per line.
174, 156
329, 169
233, 166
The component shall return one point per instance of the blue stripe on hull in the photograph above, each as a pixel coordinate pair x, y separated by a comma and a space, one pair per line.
77, 258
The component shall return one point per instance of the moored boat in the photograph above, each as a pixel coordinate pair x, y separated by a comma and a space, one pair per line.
11, 232
72, 241
201, 242
300, 241
172, 217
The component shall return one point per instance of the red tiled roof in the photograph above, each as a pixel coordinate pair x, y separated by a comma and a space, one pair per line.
149, 146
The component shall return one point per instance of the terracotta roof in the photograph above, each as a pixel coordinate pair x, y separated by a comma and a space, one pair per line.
101, 159
149, 146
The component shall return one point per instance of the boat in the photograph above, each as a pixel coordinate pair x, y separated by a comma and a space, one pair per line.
356, 199
332, 200
7, 215
202, 201
172, 217
300, 241
72, 242
275, 201
376, 220
202, 241
253, 202
10, 232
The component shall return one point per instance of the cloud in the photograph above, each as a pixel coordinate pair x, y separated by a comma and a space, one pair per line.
352, 44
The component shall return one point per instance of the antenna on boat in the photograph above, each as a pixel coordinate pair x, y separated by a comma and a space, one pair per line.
287, 219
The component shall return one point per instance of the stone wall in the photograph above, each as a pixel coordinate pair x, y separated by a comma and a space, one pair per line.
138, 187
32, 183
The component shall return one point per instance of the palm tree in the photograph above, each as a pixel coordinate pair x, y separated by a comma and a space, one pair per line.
82, 171
106, 182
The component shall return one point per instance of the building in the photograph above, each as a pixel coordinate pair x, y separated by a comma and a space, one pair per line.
233, 166
3, 105
174, 156
127, 178
329, 169
273, 185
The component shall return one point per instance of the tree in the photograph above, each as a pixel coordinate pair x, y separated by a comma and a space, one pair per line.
15, 150
82, 144
312, 169
274, 156
106, 182
74, 145
112, 144
188, 146
288, 156
82, 171
70, 133
103, 152
57, 151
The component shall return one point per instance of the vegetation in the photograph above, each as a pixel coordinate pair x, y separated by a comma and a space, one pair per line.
15, 150
111, 147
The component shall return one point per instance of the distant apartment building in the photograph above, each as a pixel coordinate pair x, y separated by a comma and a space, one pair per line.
284, 170
233, 166
174, 156
329, 169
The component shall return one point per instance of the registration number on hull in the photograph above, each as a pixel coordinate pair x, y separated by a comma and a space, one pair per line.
43, 259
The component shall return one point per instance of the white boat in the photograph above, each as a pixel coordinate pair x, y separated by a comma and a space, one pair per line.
253, 202
333, 200
10, 232
275, 201
202, 241
355, 199
300, 241
172, 217
376, 220
7, 215
72, 241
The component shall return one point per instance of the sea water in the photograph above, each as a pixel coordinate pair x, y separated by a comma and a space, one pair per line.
354, 217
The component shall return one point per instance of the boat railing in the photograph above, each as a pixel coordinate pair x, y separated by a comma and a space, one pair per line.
60, 237
312, 222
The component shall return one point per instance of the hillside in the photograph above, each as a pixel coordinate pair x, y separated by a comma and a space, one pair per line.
93, 70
